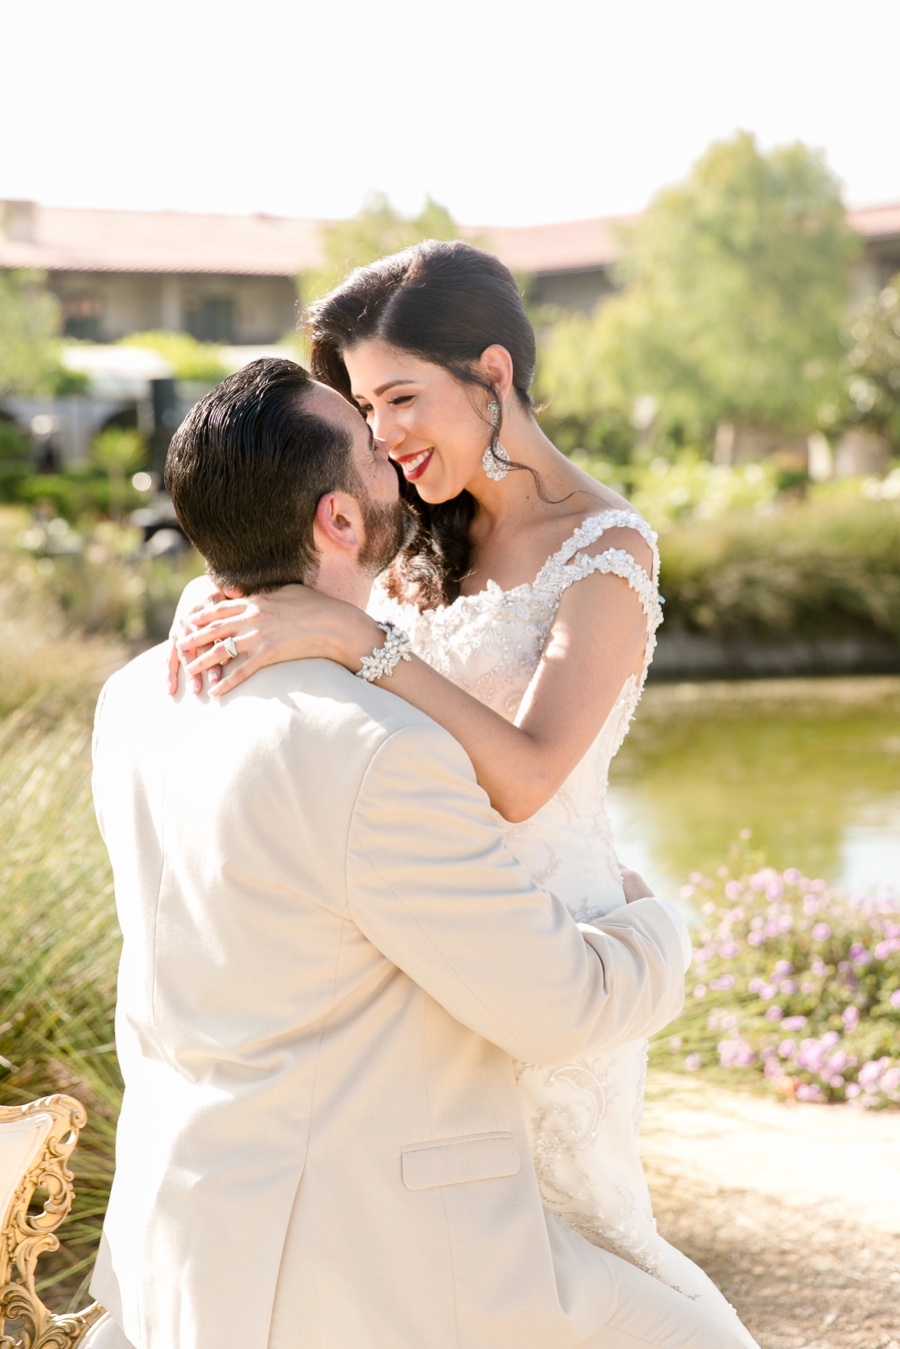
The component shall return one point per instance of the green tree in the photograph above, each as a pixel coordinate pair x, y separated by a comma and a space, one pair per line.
871, 368
735, 289
29, 321
376, 231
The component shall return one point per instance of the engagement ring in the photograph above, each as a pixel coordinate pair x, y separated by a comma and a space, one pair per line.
230, 646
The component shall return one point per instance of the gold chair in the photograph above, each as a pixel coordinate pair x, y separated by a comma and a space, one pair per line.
36, 1141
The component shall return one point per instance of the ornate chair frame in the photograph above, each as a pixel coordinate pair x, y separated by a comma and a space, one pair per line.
24, 1236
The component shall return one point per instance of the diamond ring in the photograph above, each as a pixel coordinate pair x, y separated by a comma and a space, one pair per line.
230, 646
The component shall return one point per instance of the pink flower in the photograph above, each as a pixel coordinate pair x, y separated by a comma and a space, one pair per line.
786, 1048
675, 1043
733, 890
850, 1016
793, 1023
890, 1081
830, 1039
755, 938
774, 889
821, 932
774, 1013
792, 875
692, 1062
788, 986
782, 968
870, 1072
724, 981
768, 991
728, 950
700, 990
809, 1091
852, 1090
735, 1054
895, 998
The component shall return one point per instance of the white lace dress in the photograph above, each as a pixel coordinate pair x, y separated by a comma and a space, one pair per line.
584, 1117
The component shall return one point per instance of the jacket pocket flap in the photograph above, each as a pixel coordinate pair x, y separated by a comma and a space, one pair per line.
452, 1161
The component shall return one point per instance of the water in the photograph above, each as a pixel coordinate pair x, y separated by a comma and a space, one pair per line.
811, 766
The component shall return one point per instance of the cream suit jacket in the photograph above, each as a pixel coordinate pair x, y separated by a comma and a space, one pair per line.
330, 964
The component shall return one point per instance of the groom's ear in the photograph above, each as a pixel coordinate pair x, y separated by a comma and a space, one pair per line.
338, 523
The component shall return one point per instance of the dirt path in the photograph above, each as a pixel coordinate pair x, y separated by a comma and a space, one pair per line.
793, 1210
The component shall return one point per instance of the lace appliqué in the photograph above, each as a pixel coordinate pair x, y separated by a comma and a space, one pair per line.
599, 1207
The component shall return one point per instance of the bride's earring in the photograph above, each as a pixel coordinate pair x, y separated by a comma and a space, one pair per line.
495, 460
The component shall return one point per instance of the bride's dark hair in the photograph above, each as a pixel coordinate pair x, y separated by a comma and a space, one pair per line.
443, 302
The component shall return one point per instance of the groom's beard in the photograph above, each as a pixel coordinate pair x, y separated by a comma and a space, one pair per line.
388, 529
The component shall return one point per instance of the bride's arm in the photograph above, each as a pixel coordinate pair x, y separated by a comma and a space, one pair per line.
597, 640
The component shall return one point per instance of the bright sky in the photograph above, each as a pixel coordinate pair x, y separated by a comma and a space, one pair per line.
506, 111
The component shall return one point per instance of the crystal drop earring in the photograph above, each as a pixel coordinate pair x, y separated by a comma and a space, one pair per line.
495, 460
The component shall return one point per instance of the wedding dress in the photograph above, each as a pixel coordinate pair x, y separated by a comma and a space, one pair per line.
584, 1117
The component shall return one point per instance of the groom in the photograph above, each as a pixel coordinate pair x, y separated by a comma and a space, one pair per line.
331, 963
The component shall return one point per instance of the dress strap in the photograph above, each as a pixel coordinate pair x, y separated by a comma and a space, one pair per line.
571, 564
590, 530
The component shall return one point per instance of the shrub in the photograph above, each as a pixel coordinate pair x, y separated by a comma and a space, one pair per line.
101, 581
14, 444
813, 568
691, 488
76, 493
193, 361
792, 986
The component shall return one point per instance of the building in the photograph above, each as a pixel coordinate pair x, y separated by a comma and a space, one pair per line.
232, 279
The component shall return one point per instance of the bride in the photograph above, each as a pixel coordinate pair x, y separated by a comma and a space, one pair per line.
529, 591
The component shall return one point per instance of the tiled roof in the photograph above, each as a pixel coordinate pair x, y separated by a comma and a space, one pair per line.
60, 239
68, 240
876, 222
568, 247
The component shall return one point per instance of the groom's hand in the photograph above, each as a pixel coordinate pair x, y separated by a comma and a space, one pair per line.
635, 886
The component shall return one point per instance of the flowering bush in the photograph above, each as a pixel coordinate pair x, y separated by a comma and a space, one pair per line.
794, 984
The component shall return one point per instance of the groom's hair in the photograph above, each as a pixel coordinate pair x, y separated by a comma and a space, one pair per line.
246, 470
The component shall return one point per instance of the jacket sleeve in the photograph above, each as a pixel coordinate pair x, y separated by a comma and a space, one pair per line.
432, 885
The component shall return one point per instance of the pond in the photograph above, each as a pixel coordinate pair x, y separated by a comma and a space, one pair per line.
810, 766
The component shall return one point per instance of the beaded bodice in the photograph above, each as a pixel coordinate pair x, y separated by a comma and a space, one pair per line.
491, 644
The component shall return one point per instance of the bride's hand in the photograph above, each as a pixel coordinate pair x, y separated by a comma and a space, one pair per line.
291, 623
195, 597
635, 886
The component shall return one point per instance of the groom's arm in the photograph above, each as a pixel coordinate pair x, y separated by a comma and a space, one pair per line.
431, 884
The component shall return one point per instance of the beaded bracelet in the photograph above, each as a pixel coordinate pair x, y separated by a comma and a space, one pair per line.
384, 659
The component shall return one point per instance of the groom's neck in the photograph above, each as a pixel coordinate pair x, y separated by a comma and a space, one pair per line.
340, 580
